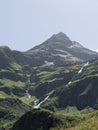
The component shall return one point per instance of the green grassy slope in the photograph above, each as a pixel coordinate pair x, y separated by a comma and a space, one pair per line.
10, 111
52, 80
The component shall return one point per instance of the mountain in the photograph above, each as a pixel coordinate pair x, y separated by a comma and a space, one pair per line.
57, 50
7, 56
58, 74
80, 91
60, 50
44, 63
41, 70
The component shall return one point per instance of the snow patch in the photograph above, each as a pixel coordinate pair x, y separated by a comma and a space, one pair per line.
59, 50
48, 63
34, 68
76, 45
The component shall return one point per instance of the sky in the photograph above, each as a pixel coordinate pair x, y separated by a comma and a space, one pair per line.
27, 23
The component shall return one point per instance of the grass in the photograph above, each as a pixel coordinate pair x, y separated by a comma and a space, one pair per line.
11, 109
11, 83
90, 122
26, 100
81, 120
3, 95
16, 67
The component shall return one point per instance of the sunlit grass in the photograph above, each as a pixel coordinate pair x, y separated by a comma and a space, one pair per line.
3, 95
10, 83
27, 100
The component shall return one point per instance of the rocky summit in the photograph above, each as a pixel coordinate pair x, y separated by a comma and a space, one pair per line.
60, 50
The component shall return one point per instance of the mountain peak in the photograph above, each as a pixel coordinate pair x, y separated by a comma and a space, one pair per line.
59, 45
61, 36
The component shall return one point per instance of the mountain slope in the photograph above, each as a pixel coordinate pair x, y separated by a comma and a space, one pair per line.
37, 119
42, 64
60, 50
41, 119
11, 74
81, 91
52, 75
10, 111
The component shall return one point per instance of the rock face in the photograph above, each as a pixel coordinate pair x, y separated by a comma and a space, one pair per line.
60, 50
57, 50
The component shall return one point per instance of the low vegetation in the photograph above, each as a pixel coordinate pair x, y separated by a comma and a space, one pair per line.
73, 96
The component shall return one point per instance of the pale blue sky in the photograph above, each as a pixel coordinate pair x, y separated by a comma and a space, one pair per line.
26, 23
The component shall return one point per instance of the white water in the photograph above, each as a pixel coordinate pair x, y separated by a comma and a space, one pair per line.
80, 71
35, 103
86, 64
28, 95
69, 82
28, 75
37, 106
27, 90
